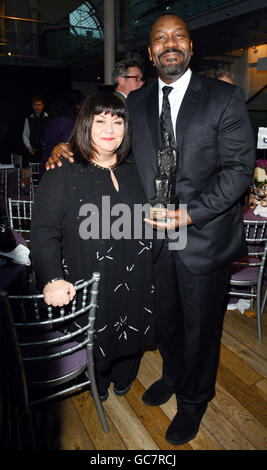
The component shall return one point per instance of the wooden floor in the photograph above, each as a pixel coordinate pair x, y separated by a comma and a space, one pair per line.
235, 419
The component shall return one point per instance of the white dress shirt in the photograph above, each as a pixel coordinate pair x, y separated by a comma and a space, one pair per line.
176, 95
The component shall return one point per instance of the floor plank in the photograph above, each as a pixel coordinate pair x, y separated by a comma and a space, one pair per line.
223, 430
153, 418
74, 435
230, 360
245, 353
247, 396
235, 419
261, 388
101, 440
132, 431
245, 422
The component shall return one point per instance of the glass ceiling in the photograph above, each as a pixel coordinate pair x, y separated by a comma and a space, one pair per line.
88, 17
85, 19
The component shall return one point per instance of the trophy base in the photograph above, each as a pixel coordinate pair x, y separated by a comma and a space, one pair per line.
158, 213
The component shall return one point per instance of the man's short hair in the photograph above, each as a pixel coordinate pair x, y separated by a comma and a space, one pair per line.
38, 98
217, 73
120, 69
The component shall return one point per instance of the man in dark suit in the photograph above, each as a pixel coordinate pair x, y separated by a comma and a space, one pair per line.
215, 166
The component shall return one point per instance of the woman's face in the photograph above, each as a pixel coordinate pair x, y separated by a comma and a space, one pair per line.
107, 133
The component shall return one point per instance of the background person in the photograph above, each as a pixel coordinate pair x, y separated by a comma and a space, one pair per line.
34, 128
62, 116
127, 76
220, 74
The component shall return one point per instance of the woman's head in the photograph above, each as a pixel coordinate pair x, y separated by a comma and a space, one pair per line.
102, 125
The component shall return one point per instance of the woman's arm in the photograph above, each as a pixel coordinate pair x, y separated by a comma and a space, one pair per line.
47, 226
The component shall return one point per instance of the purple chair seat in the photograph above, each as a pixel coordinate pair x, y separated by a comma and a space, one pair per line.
249, 273
49, 369
19, 239
245, 273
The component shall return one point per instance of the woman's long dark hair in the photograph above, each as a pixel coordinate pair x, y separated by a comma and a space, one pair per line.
80, 141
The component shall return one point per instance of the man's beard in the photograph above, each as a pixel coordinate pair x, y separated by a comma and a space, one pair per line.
172, 69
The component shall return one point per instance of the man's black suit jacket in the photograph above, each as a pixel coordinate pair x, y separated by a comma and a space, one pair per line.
215, 167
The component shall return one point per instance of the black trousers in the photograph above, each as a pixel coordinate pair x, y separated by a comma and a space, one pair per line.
190, 311
121, 372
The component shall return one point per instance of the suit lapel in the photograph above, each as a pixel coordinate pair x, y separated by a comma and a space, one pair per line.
152, 113
187, 109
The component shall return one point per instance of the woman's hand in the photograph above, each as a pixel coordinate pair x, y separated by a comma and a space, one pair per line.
60, 150
58, 293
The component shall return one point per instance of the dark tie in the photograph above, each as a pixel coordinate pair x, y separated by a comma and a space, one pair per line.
165, 116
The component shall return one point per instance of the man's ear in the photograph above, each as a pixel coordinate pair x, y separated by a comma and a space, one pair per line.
120, 80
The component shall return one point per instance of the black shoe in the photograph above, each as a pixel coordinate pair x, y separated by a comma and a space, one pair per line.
185, 423
122, 391
158, 393
104, 395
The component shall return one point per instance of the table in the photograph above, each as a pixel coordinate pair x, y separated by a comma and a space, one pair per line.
248, 214
14, 277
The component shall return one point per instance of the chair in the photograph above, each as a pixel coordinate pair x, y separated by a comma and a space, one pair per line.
19, 216
34, 169
3, 189
16, 160
250, 271
52, 357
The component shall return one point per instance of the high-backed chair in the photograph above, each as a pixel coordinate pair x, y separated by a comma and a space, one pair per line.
16, 160
3, 189
250, 271
34, 170
19, 216
53, 357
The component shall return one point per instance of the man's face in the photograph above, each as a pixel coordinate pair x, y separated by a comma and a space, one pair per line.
38, 106
227, 79
132, 80
170, 48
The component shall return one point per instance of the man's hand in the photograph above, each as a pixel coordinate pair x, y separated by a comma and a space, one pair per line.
179, 218
60, 150
31, 150
58, 293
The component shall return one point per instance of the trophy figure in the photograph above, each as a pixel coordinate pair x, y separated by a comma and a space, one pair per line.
165, 179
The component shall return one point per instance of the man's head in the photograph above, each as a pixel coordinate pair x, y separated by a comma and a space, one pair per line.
127, 76
38, 104
220, 74
170, 47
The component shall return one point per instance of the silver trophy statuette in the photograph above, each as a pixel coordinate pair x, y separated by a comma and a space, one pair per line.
165, 179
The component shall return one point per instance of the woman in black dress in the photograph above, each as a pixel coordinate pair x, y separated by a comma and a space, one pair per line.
83, 221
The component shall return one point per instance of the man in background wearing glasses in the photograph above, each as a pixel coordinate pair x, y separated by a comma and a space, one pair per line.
127, 76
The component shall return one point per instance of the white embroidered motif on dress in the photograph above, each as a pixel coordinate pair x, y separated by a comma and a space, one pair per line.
121, 326
144, 247
107, 255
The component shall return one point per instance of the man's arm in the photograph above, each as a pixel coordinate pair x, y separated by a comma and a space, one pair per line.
237, 159
236, 150
26, 136
61, 150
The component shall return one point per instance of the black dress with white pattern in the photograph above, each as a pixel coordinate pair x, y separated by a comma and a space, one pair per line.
69, 207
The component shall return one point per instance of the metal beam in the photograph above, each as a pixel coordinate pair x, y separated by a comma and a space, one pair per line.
225, 12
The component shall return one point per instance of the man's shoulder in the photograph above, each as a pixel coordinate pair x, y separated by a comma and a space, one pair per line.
138, 95
212, 83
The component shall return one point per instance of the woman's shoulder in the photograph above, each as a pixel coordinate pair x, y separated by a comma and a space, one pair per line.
59, 172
